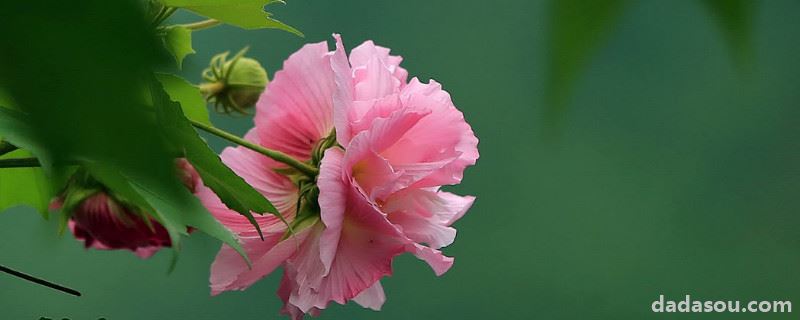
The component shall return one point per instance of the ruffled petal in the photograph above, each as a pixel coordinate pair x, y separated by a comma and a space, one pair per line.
364, 161
370, 172
443, 139
229, 266
423, 143
372, 298
361, 55
284, 291
364, 113
362, 85
332, 202
258, 171
367, 244
425, 215
296, 109
438, 262
343, 95
374, 80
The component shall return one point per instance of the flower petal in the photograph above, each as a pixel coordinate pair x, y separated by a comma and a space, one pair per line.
284, 291
332, 202
370, 77
425, 216
361, 55
372, 298
296, 109
230, 272
258, 171
438, 262
364, 113
374, 80
343, 95
443, 137
366, 244
374, 173
146, 252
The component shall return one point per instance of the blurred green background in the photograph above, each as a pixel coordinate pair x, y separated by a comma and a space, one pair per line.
673, 167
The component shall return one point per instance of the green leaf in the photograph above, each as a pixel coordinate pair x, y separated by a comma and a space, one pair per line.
577, 28
735, 18
15, 127
178, 41
89, 109
174, 207
232, 189
246, 14
23, 186
5, 100
172, 211
187, 95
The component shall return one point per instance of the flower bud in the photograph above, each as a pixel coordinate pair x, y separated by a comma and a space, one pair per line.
106, 222
235, 84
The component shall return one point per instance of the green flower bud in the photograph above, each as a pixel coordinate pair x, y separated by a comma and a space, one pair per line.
235, 84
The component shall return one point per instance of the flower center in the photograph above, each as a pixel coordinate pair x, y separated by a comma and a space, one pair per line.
308, 191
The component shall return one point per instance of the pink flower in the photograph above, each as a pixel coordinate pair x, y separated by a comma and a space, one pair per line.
404, 142
378, 191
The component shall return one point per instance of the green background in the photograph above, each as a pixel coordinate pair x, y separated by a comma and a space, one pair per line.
673, 170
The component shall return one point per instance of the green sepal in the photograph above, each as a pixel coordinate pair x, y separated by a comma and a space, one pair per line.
178, 42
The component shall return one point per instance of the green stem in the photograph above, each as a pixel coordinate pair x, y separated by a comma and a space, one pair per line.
6, 147
273, 154
211, 88
20, 163
201, 24
164, 14
39, 281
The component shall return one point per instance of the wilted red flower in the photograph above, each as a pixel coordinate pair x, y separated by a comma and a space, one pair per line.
106, 224
103, 221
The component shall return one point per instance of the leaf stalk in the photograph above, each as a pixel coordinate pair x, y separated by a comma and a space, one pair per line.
20, 163
200, 25
272, 154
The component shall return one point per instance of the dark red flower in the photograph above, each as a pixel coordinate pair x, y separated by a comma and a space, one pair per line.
106, 224
103, 221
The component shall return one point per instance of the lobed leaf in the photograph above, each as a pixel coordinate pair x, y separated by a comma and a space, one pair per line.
84, 105
23, 186
178, 41
577, 28
246, 14
187, 95
735, 18
234, 191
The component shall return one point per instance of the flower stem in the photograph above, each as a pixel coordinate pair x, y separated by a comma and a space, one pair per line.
211, 88
39, 281
201, 24
163, 14
6, 147
273, 154
20, 163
